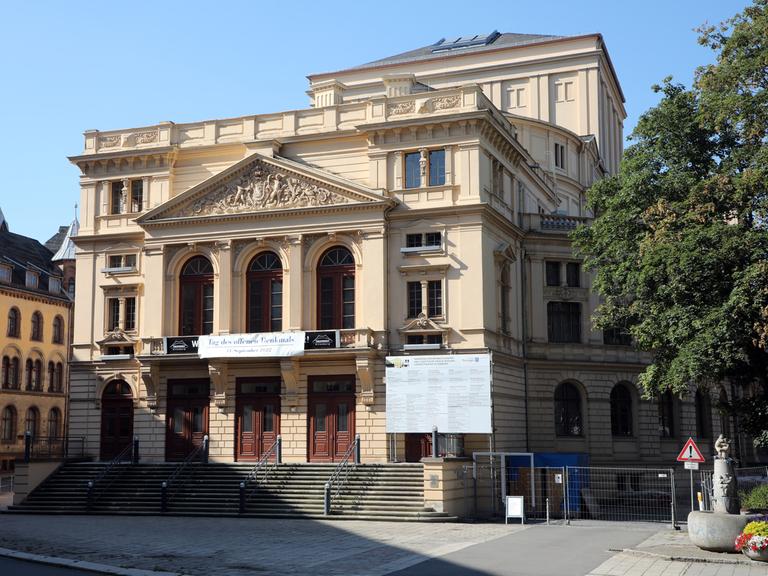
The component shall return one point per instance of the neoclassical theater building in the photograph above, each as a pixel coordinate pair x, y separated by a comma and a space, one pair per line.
420, 204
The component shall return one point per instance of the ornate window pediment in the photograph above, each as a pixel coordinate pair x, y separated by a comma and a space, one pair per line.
258, 184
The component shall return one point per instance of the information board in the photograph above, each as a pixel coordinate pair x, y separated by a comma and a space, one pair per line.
451, 392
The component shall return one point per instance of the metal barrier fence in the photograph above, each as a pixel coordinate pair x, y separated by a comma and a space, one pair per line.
747, 478
54, 447
570, 493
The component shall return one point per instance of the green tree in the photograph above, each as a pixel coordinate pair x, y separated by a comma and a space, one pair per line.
679, 243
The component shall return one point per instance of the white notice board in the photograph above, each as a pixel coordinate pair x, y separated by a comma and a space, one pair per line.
452, 392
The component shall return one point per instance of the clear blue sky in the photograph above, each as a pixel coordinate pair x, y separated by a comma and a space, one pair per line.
69, 66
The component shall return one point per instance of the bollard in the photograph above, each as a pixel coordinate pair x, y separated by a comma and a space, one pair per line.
135, 450
27, 446
204, 451
164, 497
242, 497
357, 449
89, 497
547, 510
279, 450
434, 441
327, 499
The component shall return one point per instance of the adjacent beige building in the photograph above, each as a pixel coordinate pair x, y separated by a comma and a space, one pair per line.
420, 205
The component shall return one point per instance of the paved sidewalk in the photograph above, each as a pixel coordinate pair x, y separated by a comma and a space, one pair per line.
240, 546
671, 553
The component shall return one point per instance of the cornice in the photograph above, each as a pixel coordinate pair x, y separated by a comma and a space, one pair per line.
24, 294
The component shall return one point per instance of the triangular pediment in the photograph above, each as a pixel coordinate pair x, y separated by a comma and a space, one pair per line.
261, 184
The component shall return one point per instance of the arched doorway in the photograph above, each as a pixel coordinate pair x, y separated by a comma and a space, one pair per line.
116, 419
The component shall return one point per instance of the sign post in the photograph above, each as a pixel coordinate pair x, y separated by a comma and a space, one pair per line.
691, 456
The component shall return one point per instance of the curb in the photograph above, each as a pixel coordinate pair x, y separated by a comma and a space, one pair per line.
698, 559
81, 564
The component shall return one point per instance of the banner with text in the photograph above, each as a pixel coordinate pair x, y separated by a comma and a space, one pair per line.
450, 392
258, 345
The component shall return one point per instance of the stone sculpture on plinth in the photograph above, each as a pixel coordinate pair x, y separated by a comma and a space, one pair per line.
717, 530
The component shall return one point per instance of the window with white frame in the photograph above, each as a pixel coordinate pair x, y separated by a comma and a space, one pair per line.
117, 263
424, 167
423, 242
425, 297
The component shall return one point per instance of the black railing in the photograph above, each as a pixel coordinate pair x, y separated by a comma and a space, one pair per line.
98, 486
170, 487
260, 471
53, 447
340, 475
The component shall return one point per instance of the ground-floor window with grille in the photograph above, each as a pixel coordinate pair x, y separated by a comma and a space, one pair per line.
564, 321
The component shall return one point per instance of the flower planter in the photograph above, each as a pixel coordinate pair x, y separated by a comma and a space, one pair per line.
758, 555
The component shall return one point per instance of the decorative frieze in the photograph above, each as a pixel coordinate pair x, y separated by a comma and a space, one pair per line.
148, 137
408, 107
109, 141
262, 187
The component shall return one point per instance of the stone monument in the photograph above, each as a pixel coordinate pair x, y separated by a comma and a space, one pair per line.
717, 530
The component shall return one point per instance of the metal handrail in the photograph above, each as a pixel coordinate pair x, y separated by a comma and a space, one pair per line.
165, 497
261, 466
91, 484
336, 479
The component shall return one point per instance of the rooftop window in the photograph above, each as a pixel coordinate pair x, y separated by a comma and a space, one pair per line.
444, 44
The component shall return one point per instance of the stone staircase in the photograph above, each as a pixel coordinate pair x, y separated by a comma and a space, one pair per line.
372, 492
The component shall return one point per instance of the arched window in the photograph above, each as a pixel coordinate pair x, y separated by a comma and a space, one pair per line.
54, 423
14, 377
37, 327
5, 376
37, 375
58, 377
336, 289
51, 377
568, 421
117, 389
703, 414
196, 314
28, 369
265, 293
32, 423
8, 425
621, 410
14, 323
666, 415
58, 330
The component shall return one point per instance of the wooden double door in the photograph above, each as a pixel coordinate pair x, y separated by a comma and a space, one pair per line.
187, 417
258, 417
331, 422
116, 419
418, 446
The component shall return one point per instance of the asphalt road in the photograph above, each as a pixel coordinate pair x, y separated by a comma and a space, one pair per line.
537, 551
12, 567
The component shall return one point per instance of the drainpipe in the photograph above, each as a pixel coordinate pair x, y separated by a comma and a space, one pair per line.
524, 297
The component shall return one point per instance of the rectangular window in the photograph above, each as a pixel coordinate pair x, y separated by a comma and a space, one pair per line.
54, 285
130, 314
137, 195
342, 423
113, 314
348, 302
414, 299
553, 273
208, 309
616, 337
319, 417
559, 156
247, 422
5, 274
31, 279
435, 298
564, 322
116, 204
436, 167
433, 239
121, 262
412, 170
115, 261
573, 274
413, 240
269, 418
276, 304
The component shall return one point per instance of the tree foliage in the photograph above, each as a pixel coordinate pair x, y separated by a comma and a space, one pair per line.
679, 243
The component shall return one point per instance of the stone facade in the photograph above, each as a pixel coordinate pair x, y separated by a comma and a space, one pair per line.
451, 181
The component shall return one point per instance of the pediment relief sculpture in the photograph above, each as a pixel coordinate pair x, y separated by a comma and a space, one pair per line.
422, 324
116, 337
262, 187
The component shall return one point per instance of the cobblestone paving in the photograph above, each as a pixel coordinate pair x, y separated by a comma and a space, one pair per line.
242, 547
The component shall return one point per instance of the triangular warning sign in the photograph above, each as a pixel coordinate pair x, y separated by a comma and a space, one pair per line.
690, 453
